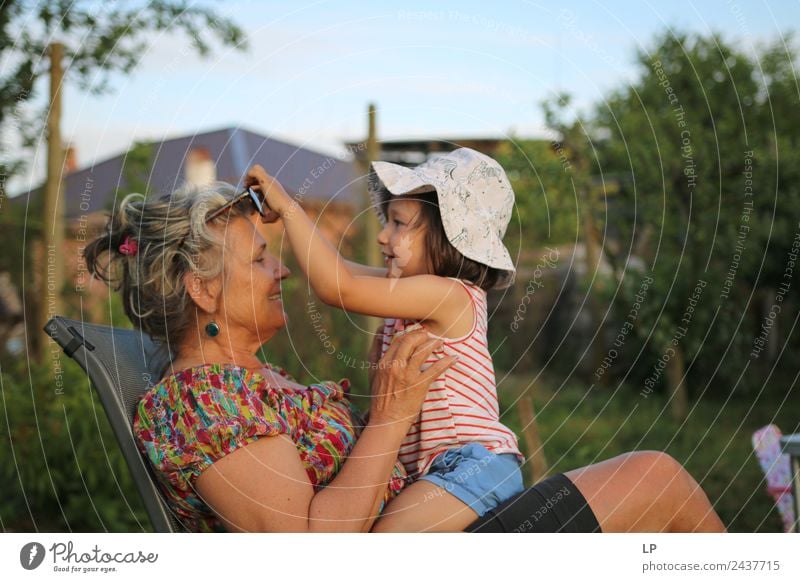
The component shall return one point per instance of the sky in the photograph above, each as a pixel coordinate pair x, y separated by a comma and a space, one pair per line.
445, 69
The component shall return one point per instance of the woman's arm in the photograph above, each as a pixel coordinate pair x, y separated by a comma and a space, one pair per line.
264, 486
424, 297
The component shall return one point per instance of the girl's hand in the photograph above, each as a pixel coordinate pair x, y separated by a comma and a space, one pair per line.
275, 196
400, 385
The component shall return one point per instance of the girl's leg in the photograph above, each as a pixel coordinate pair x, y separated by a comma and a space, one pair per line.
645, 491
423, 506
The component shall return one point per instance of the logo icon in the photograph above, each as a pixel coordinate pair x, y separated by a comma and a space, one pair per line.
31, 555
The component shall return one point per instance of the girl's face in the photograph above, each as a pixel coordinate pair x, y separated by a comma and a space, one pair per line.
402, 241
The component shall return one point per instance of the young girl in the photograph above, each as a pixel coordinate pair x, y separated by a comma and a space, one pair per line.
444, 221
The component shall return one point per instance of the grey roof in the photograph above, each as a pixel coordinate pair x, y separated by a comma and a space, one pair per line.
315, 176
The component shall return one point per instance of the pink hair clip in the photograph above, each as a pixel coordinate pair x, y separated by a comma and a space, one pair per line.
129, 246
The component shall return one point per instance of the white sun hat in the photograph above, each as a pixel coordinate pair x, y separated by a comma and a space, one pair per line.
475, 201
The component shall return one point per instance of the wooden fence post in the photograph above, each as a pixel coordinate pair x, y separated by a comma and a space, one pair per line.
537, 463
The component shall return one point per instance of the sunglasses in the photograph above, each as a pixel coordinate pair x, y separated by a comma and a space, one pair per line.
248, 195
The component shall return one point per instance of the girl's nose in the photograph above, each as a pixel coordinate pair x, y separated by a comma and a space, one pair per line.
383, 236
282, 271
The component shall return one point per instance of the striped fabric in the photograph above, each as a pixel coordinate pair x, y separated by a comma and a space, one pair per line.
461, 405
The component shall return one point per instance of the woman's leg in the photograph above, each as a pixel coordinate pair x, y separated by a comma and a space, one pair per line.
645, 491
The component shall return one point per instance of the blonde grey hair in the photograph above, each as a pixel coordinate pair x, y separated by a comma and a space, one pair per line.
173, 239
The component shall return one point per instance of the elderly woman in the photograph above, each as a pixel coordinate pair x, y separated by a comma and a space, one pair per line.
239, 445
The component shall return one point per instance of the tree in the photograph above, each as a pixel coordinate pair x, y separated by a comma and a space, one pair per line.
545, 205
685, 137
99, 38
555, 200
84, 43
575, 147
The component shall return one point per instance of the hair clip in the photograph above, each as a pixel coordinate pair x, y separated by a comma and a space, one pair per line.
129, 246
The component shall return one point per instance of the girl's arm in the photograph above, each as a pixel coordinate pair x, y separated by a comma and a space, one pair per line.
360, 270
423, 297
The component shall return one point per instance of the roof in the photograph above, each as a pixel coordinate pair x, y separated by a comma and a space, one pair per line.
309, 175
415, 150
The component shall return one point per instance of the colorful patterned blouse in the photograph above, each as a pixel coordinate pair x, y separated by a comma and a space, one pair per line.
195, 417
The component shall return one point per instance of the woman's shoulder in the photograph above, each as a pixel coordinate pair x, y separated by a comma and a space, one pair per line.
211, 393
201, 395
197, 415
181, 381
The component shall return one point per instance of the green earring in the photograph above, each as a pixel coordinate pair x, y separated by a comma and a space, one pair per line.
212, 329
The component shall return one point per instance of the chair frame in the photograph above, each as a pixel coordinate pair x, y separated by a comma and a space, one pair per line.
75, 337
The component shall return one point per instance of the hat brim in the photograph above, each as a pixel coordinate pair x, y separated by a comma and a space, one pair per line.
396, 180
399, 180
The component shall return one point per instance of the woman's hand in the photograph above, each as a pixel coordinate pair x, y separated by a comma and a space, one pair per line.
265, 487
374, 353
400, 384
278, 201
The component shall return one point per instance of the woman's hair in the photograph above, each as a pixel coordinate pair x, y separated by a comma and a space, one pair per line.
173, 239
443, 258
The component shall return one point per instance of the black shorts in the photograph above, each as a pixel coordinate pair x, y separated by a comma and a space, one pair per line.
550, 506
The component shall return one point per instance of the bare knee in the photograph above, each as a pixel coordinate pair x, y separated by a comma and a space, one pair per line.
671, 482
660, 466
690, 508
678, 489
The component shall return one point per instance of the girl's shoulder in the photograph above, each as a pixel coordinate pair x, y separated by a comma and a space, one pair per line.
471, 287
475, 295
467, 321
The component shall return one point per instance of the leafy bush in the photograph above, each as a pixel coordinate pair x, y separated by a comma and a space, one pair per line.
62, 470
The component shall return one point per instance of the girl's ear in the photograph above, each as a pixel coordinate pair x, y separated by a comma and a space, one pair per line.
204, 293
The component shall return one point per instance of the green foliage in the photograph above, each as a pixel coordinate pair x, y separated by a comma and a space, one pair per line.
546, 203
99, 41
678, 140
62, 469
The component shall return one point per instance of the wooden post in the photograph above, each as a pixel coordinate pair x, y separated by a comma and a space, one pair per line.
592, 262
52, 260
372, 224
537, 463
677, 390
372, 254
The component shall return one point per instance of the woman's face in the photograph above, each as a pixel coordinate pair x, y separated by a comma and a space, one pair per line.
251, 290
402, 241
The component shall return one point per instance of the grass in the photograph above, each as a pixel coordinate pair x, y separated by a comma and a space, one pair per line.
578, 428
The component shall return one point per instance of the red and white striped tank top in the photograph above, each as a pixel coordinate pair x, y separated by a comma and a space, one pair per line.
461, 405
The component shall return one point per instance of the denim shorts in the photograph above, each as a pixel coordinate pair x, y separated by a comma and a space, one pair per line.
479, 478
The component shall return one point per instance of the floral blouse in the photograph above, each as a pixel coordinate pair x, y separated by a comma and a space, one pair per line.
195, 417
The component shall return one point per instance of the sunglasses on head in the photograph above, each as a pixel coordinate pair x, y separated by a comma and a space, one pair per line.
255, 198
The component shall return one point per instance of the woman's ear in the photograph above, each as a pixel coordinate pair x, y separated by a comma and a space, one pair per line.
203, 292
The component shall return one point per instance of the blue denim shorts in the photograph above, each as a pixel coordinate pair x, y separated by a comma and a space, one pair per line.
479, 478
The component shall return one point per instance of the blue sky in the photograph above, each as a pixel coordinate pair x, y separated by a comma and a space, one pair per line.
445, 69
